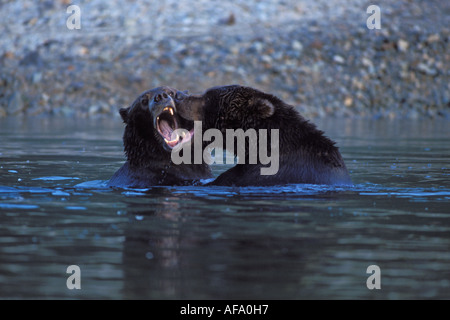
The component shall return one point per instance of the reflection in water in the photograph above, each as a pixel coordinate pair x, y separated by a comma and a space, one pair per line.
283, 242
156, 244
187, 254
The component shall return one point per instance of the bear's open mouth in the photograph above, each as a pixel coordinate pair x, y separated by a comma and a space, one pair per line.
167, 126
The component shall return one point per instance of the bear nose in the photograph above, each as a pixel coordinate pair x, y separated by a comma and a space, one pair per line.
160, 96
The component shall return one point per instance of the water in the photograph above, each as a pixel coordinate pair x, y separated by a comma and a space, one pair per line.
289, 242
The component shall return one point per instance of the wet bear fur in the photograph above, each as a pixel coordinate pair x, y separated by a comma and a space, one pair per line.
306, 155
148, 157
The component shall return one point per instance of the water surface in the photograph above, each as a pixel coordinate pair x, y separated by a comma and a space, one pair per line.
284, 242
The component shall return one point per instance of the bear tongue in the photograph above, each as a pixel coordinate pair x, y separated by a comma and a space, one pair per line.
187, 136
167, 132
166, 129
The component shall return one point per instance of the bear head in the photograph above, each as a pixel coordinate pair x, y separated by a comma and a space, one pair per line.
151, 122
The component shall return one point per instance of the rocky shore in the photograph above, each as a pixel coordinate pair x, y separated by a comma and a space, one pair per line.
317, 55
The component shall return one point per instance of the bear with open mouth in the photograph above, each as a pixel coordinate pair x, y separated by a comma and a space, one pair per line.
149, 137
305, 154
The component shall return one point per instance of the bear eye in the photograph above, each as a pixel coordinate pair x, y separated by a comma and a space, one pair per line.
171, 94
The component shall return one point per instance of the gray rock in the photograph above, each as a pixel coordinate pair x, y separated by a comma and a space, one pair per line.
32, 58
338, 59
422, 67
16, 104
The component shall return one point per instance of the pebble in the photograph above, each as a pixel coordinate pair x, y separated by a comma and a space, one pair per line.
402, 45
338, 59
297, 45
422, 67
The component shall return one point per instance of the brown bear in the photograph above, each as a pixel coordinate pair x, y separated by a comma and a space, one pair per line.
305, 155
148, 142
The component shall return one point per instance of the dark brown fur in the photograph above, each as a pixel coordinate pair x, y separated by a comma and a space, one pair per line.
148, 161
306, 155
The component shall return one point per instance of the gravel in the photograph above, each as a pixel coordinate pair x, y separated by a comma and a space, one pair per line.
317, 55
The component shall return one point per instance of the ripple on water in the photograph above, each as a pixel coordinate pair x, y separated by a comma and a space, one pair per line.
18, 206
56, 178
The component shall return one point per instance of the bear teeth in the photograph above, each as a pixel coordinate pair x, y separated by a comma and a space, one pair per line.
172, 143
169, 109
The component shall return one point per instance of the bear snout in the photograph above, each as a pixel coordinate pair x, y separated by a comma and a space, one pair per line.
160, 96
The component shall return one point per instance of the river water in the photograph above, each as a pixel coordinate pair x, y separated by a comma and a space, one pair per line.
284, 242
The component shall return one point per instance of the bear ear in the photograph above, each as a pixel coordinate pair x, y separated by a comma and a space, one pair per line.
180, 95
265, 108
124, 114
